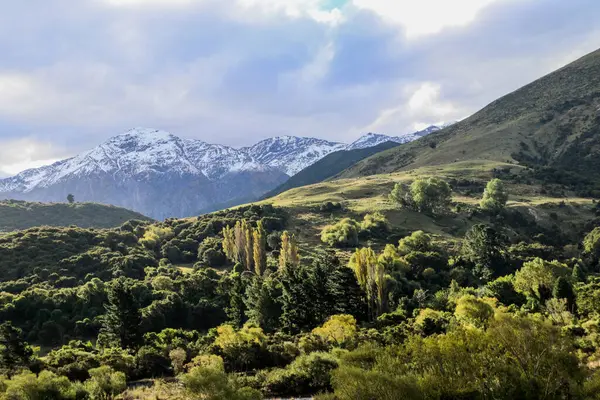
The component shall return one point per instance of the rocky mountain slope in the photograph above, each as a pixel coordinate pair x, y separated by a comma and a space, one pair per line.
162, 175
551, 125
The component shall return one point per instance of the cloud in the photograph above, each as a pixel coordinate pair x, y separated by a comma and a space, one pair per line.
234, 72
21, 154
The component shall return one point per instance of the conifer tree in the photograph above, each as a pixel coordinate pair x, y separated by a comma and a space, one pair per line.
121, 323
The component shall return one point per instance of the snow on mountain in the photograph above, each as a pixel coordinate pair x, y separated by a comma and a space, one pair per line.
291, 154
161, 175
373, 139
134, 153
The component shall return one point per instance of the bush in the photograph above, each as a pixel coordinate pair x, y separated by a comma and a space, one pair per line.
329, 207
375, 225
46, 385
308, 374
342, 234
105, 383
210, 383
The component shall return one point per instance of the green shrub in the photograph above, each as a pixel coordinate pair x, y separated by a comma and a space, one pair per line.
342, 234
308, 374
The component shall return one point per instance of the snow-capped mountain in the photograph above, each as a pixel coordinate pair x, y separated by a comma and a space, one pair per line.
373, 139
150, 171
162, 175
291, 154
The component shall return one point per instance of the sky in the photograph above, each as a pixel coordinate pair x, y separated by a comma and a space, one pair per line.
74, 73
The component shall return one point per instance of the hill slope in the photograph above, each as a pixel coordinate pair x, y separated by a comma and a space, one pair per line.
552, 122
15, 215
329, 166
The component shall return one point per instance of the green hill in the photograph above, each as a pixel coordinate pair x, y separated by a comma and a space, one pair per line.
15, 214
329, 166
551, 125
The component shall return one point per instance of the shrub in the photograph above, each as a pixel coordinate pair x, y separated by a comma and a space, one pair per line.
342, 234
105, 383
211, 383
308, 374
375, 224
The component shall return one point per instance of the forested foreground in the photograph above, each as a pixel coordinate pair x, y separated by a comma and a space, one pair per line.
231, 306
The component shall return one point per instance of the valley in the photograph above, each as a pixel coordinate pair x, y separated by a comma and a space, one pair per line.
459, 262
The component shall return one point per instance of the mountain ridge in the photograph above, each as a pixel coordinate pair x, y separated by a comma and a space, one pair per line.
161, 175
551, 125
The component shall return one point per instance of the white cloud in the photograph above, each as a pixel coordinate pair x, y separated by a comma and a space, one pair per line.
21, 154
425, 17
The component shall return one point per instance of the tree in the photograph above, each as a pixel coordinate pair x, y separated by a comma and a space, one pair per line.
563, 290
14, 351
591, 247
370, 275
495, 196
289, 251
339, 329
474, 311
262, 302
537, 278
71, 198
123, 318
431, 195
485, 248
259, 249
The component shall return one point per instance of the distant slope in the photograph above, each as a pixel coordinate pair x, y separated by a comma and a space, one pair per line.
16, 215
329, 166
553, 122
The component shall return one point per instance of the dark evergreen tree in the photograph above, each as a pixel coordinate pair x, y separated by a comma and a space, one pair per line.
349, 297
14, 351
263, 302
485, 248
123, 318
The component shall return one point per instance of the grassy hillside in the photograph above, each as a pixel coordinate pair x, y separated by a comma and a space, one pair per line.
330, 165
551, 124
528, 201
22, 215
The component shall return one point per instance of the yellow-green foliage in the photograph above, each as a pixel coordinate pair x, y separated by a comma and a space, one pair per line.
208, 383
371, 276
342, 234
495, 196
339, 329
591, 242
105, 383
155, 235
207, 361
431, 194
228, 337
538, 276
375, 223
417, 241
46, 385
473, 310
289, 251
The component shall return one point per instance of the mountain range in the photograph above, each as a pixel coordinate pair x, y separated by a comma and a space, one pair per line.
161, 175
